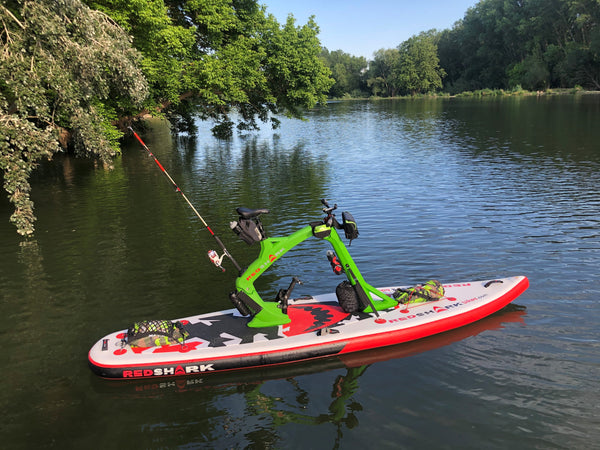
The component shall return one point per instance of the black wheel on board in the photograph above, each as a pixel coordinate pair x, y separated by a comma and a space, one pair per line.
347, 297
240, 306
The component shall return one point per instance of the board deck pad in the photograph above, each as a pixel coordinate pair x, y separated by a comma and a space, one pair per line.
319, 327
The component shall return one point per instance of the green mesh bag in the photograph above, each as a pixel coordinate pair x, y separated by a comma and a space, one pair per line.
156, 333
428, 292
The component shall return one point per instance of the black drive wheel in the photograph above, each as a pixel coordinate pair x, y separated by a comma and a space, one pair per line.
347, 297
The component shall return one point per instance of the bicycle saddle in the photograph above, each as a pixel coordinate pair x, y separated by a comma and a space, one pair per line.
247, 213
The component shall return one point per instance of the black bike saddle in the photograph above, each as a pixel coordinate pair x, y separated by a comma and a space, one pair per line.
247, 213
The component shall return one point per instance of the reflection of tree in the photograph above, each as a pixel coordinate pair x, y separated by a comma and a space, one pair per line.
293, 170
251, 170
341, 411
261, 174
234, 411
30, 347
256, 173
30, 256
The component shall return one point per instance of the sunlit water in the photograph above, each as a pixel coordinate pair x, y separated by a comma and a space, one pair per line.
451, 189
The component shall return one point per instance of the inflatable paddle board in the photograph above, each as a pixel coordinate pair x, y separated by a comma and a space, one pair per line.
151, 387
319, 328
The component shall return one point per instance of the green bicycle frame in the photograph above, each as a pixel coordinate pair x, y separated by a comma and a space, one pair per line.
268, 314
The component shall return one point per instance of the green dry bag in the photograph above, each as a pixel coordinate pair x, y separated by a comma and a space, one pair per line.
428, 292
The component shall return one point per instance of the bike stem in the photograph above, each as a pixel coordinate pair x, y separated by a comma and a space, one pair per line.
267, 314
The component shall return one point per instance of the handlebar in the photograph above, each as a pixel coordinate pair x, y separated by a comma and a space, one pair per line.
330, 218
327, 209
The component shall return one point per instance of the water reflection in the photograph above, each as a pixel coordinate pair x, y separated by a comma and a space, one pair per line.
553, 128
255, 173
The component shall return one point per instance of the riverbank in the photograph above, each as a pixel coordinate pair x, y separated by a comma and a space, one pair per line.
522, 92
517, 92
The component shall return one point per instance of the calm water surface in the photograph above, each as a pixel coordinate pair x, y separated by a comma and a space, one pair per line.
451, 189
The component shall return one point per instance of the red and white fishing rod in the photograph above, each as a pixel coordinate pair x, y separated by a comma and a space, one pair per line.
212, 255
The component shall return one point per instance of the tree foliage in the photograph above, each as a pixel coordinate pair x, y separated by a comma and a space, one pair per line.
209, 58
412, 68
55, 87
419, 70
383, 72
349, 73
76, 72
532, 43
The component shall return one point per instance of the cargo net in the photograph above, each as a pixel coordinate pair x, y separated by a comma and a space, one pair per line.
156, 333
428, 292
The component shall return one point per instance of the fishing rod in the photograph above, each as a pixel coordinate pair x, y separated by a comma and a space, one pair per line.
212, 254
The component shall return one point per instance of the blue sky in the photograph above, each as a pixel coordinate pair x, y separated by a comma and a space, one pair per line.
363, 27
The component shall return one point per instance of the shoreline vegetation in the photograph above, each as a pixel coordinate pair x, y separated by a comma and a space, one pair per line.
480, 93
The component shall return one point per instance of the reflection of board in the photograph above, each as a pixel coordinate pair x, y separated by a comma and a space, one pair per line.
319, 327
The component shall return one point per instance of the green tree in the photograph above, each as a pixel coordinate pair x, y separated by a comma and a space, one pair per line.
580, 47
418, 68
452, 59
208, 58
533, 43
55, 88
531, 73
484, 43
296, 75
348, 72
383, 72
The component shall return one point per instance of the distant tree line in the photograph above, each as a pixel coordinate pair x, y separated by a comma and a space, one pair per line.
499, 44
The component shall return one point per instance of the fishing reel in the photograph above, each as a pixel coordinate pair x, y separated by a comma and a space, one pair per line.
216, 259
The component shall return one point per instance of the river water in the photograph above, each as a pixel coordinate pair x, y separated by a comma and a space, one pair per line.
453, 189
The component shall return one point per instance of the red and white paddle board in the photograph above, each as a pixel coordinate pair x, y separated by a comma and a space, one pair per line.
319, 328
